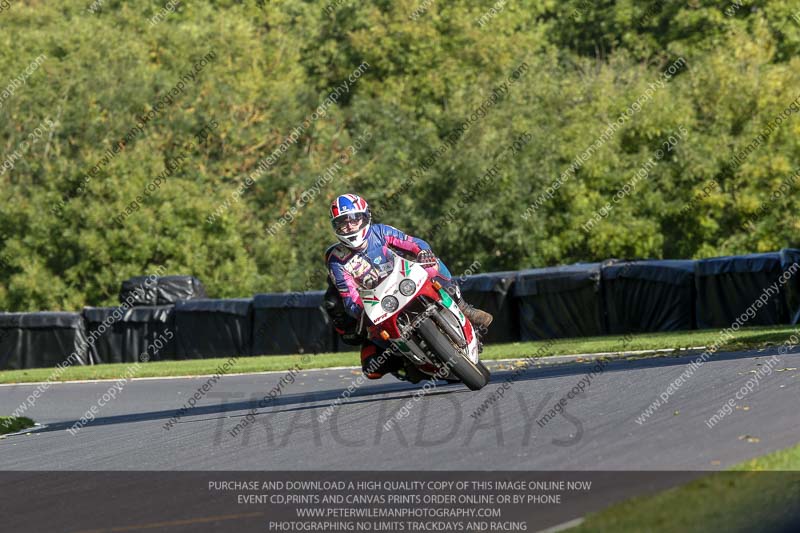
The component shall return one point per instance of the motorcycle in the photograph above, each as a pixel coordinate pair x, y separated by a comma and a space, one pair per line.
411, 311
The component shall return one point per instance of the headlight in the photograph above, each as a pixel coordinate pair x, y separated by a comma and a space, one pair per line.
407, 287
390, 304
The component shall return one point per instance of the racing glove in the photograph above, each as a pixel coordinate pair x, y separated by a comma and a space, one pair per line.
426, 258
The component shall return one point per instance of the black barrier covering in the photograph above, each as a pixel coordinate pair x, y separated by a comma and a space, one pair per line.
292, 323
172, 289
789, 258
214, 328
140, 290
491, 292
109, 346
727, 286
641, 296
129, 333
559, 302
164, 290
38, 340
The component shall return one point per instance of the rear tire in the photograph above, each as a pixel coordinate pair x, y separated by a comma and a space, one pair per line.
468, 372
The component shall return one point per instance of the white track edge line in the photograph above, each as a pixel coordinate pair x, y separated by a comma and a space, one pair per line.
568, 358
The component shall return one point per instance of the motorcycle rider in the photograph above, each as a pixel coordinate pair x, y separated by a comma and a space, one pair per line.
359, 259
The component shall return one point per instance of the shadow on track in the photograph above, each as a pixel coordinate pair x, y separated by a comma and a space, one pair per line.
379, 392
375, 392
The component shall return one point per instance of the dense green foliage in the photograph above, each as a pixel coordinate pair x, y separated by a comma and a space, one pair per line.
428, 66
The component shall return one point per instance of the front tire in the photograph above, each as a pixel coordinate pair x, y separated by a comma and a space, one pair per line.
484, 371
467, 371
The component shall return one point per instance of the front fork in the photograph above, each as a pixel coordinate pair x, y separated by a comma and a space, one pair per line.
448, 294
442, 312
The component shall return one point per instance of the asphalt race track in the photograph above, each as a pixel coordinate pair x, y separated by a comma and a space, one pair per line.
597, 431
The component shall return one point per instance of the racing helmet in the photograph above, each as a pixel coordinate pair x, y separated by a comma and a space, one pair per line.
350, 218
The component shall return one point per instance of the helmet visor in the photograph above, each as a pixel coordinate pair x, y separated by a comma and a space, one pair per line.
349, 223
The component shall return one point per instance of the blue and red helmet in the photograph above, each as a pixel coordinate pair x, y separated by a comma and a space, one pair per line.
350, 218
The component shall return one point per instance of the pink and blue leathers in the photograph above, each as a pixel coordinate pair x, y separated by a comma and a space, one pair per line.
352, 268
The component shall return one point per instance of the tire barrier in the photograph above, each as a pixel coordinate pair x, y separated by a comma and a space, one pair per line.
647, 296
31, 340
138, 292
173, 289
492, 293
579, 300
292, 323
558, 302
213, 328
161, 290
789, 258
129, 332
728, 286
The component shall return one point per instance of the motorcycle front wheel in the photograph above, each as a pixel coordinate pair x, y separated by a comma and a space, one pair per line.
440, 344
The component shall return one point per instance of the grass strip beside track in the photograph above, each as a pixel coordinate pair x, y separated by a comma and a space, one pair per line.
747, 338
12, 424
753, 496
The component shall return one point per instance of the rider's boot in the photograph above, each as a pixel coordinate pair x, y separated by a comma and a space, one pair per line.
479, 318
376, 362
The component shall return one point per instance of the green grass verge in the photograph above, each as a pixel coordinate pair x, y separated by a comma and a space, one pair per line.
12, 424
743, 339
752, 496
